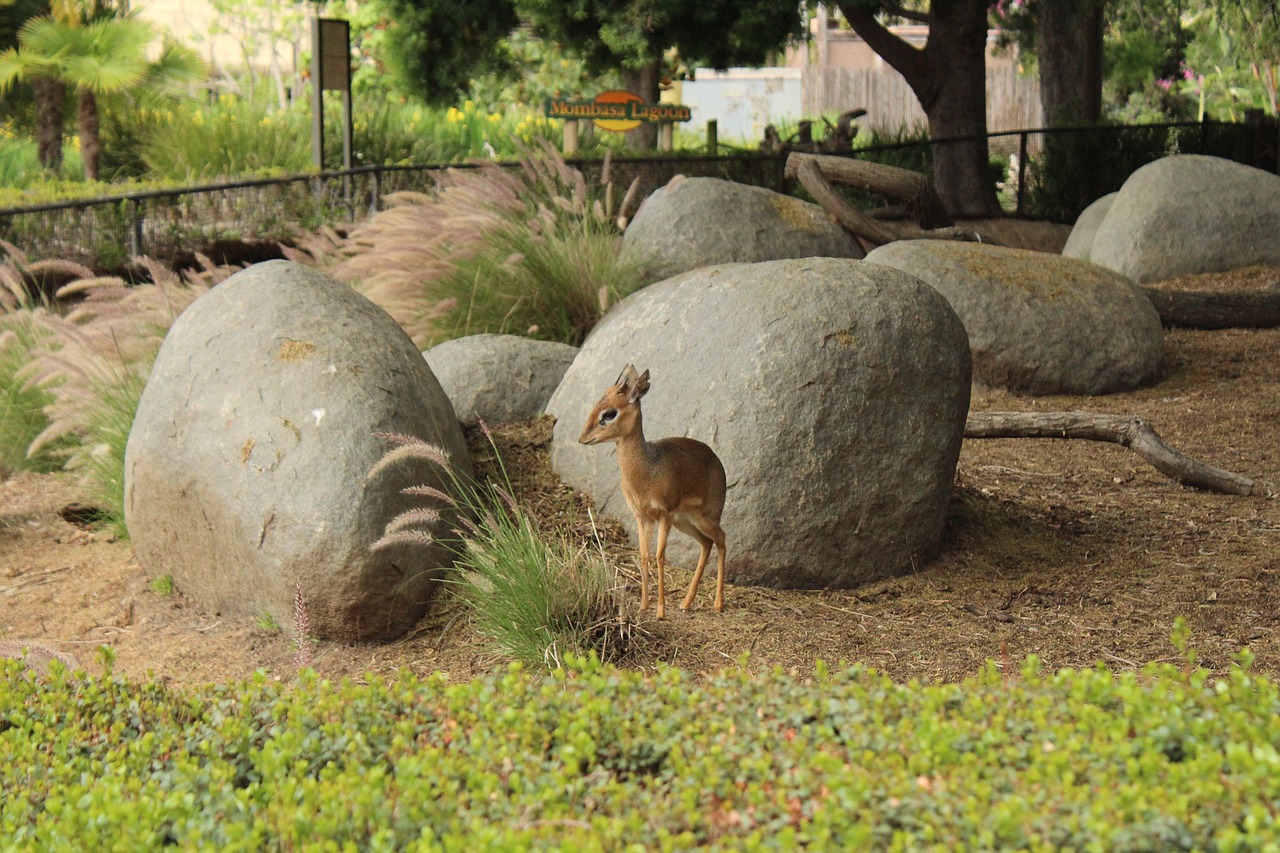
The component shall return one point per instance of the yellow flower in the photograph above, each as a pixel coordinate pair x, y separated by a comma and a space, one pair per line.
266, 121
469, 105
494, 118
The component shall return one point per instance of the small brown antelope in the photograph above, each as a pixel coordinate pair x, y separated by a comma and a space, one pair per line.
671, 481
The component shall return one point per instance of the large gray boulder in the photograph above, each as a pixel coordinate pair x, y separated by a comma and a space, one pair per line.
1190, 214
1080, 241
499, 378
245, 471
695, 222
834, 391
1040, 323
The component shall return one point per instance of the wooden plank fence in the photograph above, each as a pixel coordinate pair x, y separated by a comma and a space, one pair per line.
1013, 100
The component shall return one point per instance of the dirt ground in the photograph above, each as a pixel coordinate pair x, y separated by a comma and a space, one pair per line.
1075, 551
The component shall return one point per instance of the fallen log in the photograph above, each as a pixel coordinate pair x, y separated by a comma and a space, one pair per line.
911, 188
1200, 309
1126, 430
808, 171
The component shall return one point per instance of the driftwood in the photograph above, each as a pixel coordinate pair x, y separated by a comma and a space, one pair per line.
1197, 309
1127, 430
816, 172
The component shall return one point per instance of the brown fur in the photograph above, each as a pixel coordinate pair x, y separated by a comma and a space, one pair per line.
672, 482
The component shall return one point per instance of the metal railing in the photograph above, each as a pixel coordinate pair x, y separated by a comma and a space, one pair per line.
173, 224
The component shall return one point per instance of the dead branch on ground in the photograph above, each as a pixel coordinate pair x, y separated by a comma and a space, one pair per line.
1127, 430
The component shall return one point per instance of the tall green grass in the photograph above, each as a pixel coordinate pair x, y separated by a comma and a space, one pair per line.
551, 286
232, 135
532, 252
22, 415
537, 596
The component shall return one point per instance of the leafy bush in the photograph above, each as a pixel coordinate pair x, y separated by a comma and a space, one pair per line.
231, 136
593, 758
1078, 167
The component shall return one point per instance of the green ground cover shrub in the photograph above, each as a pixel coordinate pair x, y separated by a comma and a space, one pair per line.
594, 758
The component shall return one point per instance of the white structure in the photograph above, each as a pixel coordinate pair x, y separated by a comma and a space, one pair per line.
744, 100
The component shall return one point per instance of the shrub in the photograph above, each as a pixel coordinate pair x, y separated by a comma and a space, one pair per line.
232, 135
593, 758
538, 597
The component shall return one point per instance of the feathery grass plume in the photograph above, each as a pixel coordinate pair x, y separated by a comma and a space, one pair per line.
525, 251
536, 596
302, 639
94, 362
22, 415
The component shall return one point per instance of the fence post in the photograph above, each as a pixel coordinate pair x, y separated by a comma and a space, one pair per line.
1022, 171
135, 228
713, 137
375, 190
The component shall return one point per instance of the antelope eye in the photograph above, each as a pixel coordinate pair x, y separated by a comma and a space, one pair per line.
608, 416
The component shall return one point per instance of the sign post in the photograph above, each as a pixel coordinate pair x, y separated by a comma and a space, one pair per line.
330, 70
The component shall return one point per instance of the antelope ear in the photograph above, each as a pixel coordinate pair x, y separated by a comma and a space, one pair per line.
639, 386
626, 377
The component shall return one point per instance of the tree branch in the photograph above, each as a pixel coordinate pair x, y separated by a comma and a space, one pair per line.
1126, 430
906, 60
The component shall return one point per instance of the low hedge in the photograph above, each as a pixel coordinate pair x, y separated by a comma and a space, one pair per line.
598, 758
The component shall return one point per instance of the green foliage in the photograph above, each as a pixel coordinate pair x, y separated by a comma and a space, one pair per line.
434, 49
551, 285
531, 252
1078, 167
539, 598
162, 585
22, 416
232, 135
593, 758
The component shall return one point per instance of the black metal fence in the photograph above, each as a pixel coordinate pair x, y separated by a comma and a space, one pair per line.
1053, 174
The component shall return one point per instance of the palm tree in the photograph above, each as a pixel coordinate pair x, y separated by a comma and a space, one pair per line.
101, 57
48, 93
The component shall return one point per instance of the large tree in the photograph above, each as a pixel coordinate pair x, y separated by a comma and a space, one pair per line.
449, 42
948, 76
1069, 35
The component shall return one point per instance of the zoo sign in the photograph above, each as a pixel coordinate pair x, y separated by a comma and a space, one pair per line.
617, 110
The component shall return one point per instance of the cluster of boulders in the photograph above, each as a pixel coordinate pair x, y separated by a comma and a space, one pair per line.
835, 390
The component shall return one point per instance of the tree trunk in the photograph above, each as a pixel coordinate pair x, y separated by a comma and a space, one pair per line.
645, 83
90, 138
1069, 49
50, 94
949, 78
957, 52
1127, 430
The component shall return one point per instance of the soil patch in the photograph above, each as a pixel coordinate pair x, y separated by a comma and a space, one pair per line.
1074, 551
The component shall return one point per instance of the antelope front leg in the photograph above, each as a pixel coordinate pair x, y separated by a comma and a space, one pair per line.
664, 528
643, 526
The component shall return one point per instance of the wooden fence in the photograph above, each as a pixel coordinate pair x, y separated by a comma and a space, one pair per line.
1013, 101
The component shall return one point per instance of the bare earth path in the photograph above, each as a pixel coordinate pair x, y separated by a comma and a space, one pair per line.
1074, 551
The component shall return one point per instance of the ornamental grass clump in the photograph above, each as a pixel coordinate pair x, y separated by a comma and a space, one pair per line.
93, 363
531, 251
538, 597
